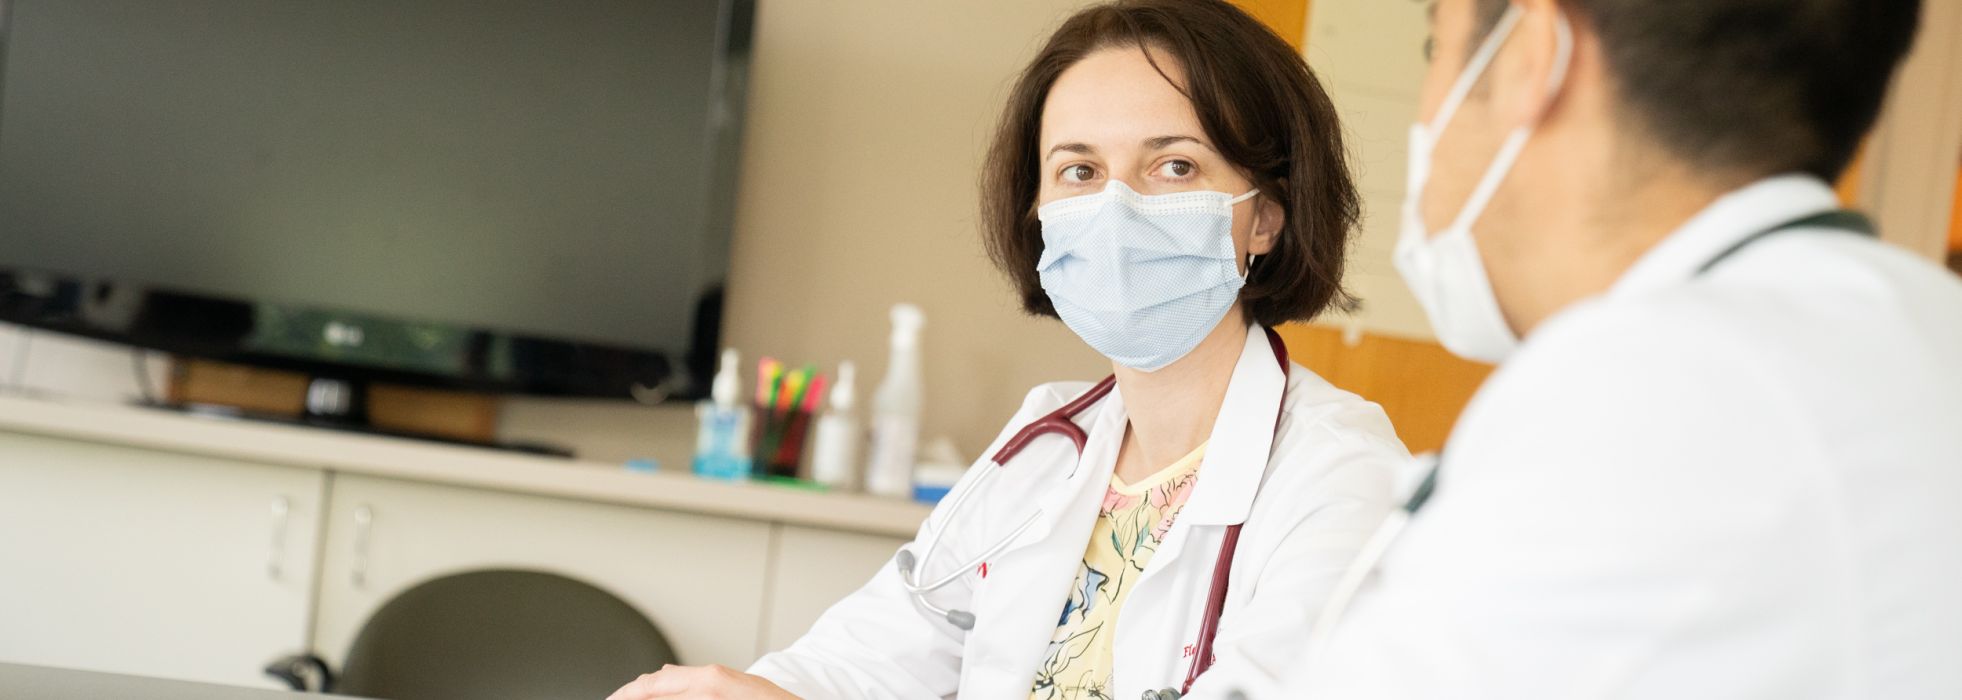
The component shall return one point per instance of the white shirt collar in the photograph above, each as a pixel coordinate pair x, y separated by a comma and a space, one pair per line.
1734, 216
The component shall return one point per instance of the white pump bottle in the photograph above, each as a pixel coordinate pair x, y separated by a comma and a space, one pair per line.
896, 409
834, 447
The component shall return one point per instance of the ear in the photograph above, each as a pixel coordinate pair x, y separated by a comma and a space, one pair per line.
1535, 64
1267, 224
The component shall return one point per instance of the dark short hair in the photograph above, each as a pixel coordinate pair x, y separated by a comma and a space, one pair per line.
1750, 87
1261, 107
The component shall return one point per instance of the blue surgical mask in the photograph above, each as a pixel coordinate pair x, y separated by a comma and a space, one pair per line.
1141, 278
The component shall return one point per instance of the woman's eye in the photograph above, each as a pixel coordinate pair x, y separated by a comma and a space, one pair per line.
1176, 169
1079, 173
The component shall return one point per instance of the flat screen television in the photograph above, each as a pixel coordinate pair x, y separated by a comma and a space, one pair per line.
498, 195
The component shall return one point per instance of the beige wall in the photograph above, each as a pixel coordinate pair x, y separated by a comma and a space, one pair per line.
1369, 56
1909, 185
867, 123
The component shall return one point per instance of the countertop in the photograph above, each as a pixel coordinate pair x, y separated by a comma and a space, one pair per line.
404, 458
43, 683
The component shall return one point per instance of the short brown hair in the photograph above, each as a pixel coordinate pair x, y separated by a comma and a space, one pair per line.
1259, 104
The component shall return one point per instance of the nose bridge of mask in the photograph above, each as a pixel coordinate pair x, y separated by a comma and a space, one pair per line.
1195, 201
1118, 235
1131, 228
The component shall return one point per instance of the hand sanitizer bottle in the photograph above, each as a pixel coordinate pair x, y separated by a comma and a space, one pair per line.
722, 441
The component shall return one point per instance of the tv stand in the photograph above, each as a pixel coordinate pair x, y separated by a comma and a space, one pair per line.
340, 402
362, 427
337, 402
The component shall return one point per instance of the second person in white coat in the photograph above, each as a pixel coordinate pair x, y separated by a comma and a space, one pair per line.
1169, 180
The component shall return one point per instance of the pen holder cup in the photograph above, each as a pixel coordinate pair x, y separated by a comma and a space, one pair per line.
779, 447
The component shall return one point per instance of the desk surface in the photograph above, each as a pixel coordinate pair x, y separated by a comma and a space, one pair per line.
418, 460
43, 683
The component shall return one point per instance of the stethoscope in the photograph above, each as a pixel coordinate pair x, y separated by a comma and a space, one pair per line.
1062, 422
1371, 554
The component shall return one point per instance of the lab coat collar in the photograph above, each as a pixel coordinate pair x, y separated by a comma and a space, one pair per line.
1243, 434
1103, 424
1754, 208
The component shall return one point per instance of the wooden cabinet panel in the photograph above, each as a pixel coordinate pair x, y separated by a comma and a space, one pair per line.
1422, 386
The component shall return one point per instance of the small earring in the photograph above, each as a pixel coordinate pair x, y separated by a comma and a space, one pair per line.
1250, 261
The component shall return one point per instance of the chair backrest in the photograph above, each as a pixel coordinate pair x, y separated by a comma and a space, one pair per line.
493, 635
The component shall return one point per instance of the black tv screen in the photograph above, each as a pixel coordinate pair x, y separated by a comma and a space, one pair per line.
525, 195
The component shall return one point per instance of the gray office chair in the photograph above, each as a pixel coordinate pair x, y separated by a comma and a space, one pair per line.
494, 635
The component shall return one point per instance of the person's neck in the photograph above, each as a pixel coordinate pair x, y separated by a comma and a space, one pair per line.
1587, 245
1171, 410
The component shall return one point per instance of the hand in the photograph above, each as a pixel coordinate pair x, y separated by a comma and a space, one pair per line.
700, 683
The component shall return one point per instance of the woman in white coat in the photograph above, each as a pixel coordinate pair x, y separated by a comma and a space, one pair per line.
1169, 180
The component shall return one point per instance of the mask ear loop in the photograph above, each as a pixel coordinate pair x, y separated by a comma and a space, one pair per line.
1488, 186
1475, 69
1250, 256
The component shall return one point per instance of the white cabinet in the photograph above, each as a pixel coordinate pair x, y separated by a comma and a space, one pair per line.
154, 563
152, 543
699, 578
814, 569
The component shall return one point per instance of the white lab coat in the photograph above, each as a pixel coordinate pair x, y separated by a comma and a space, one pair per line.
1738, 485
1328, 484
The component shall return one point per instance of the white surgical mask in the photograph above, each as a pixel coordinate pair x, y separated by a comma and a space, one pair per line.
1445, 270
1141, 278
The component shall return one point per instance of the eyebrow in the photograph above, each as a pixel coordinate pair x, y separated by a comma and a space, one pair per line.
1072, 147
1158, 142
1153, 143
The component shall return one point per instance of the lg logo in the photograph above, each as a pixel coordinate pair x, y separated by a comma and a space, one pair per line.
342, 334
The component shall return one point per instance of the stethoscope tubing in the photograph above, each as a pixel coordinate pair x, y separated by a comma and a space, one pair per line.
912, 586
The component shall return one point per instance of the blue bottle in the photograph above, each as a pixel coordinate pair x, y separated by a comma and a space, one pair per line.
722, 440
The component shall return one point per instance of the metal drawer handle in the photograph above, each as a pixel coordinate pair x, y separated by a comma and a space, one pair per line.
364, 521
282, 510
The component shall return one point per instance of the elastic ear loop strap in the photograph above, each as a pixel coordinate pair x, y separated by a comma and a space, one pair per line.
1488, 185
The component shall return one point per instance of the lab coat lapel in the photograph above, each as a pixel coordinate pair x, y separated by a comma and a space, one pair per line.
1236, 454
1151, 650
1017, 605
